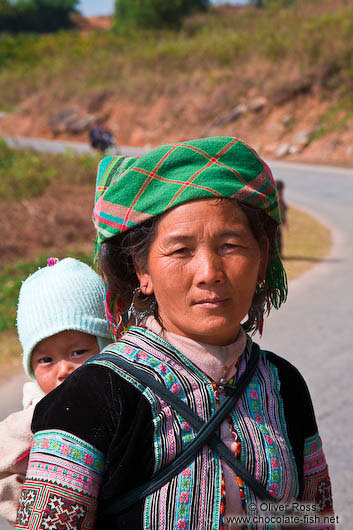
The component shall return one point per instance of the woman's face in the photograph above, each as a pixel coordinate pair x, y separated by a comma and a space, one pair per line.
203, 267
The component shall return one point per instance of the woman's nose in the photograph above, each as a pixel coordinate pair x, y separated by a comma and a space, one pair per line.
208, 268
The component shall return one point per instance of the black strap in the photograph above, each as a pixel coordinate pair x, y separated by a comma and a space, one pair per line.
206, 432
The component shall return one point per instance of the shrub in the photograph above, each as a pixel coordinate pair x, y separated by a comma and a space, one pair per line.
152, 14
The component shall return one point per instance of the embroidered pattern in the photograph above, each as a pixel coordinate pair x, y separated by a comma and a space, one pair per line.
62, 483
223, 487
50, 507
258, 417
236, 454
26, 504
317, 485
61, 512
68, 446
314, 458
200, 489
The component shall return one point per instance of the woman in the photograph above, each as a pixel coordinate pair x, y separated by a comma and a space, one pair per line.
186, 240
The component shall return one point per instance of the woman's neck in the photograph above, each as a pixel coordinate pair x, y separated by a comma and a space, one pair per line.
217, 362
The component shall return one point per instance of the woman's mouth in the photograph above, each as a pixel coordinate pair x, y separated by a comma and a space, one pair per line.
212, 302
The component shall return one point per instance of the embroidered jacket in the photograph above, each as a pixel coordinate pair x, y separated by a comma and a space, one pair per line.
102, 433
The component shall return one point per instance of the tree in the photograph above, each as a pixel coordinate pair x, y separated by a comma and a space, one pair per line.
152, 14
40, 16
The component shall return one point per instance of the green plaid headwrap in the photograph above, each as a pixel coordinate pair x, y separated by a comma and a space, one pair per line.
131, 190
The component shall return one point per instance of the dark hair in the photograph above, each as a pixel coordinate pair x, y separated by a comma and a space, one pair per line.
263, 228
117, 256
116, 263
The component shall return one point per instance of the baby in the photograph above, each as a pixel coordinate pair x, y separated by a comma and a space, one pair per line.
61, 324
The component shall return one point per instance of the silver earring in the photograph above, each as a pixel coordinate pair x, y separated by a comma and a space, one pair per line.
141, 306
260, 286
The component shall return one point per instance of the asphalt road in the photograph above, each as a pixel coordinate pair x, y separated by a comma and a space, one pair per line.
61, 146
314, 328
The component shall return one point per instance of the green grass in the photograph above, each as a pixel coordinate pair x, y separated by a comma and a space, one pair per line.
12, 276
311, 35
28, 173
335, 118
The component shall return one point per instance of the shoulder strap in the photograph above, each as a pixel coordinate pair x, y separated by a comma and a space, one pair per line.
205, 435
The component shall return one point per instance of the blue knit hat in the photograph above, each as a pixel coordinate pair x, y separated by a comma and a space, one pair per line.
65, 296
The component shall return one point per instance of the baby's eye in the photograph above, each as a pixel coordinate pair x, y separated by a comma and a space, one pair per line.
77, 353
45, 360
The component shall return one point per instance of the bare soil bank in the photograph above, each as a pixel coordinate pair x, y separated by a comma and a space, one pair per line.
276, 131
59, 218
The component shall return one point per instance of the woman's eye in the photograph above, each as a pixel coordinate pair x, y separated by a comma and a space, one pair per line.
227, 246
182, 251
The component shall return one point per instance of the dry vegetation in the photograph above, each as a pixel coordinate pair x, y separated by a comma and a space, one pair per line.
309, 37
152, 87
306, 242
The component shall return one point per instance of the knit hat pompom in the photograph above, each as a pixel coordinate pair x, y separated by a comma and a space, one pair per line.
65, 295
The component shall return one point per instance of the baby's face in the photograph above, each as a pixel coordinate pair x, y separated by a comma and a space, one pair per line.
55, 358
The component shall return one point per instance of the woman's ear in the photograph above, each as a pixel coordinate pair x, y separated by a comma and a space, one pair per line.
144, 278
265, 249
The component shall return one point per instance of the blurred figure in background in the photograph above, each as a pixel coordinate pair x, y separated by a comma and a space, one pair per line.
101, 138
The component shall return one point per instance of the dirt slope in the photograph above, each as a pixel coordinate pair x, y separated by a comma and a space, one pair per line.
60, 218
166, 120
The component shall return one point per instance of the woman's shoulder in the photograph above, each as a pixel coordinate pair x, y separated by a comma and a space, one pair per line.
91, 396
292, 384
286, 369
90, 404
294, 391
82, 384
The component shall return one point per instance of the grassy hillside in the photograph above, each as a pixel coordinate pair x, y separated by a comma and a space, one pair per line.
162, 86
235, 47
153, 87
26, 173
